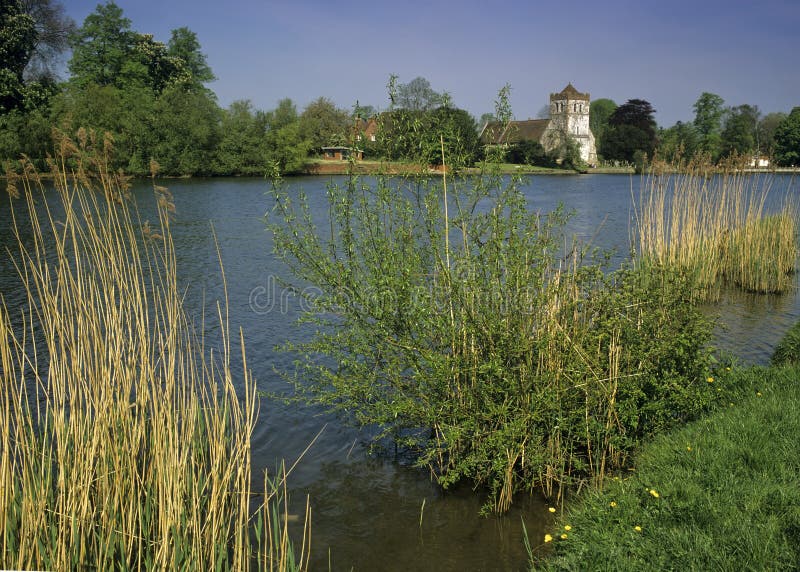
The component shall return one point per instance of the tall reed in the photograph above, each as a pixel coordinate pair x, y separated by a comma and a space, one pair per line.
124, 437
713, 225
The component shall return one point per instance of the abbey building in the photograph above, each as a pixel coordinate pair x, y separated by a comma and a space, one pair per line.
569, 118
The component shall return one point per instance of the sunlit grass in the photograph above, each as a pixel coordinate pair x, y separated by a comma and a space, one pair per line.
727, 495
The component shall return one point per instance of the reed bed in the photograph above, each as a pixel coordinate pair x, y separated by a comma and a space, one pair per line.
124, 438
714, 226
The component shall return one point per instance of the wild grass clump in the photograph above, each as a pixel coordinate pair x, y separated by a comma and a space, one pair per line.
476, 336
124, 439
713, 226
718, 494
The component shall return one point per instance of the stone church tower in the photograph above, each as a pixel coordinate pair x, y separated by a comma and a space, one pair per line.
569, 115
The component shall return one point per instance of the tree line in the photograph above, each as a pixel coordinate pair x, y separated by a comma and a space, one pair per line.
153, 99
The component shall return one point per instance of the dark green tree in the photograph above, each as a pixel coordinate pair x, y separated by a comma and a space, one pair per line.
17, 43
286, 150
787, 140
631, 128
528, 153
766, 129
740, 131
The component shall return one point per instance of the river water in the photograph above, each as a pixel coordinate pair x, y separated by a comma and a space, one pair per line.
372, 512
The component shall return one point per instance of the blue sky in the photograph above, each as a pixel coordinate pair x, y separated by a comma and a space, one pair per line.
667, 52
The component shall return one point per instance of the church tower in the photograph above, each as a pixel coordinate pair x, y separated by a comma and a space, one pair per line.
569, 115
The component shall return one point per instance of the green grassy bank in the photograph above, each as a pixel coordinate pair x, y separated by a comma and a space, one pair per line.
718, 494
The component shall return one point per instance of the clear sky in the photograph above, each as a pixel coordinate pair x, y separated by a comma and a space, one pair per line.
667, 51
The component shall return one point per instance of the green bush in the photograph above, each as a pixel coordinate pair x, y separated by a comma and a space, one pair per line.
453, 319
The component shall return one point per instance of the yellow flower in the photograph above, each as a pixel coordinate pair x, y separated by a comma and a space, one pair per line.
551, 509
567, 527
563, 537
758, 393
613, 504
710, 379
548, 538
688, 448
637, 528
727, 369
654, 493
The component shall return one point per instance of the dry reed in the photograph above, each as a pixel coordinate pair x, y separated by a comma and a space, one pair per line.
124, 440
714, 225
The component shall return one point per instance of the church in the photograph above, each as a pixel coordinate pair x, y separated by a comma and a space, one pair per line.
569, 116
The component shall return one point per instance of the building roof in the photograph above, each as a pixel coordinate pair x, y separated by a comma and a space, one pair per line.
497, 133
570, 92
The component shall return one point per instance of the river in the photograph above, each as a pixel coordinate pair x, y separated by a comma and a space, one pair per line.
372, 512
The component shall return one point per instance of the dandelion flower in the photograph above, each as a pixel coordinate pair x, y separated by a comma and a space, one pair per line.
727, 369
548, 538
654, 493
637, 528
710, 379
563, 536
613, 504
688, 448
758, 393
567, 527
551, 509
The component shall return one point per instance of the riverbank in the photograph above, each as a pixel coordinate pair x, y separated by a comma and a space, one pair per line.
367, 167
718, 494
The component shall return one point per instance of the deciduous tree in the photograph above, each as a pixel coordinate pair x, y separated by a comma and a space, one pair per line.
787, 140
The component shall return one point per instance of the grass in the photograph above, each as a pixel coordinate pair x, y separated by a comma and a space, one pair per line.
718, 494
714, 226
124, 438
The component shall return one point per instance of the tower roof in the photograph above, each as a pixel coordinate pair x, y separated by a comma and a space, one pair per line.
570, 92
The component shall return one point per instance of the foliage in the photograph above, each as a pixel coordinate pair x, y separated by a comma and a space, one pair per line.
631, 128
125, 441
708, 112
241, 149
740, 133
601, 111
417, 95
102, 48
787, 140
681, 141
718, 494
322, 124
529, 153
450, 318
17, 43
286, 150
767, 128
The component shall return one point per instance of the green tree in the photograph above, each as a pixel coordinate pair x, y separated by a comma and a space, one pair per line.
708, 112
323, 124
102, 47
241, 150
766, 130
681, 141
740, 131
17, 43
601, 111
631, 128
417, 95
286, 150
184, 46
787, 140
187, 127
